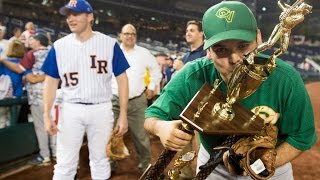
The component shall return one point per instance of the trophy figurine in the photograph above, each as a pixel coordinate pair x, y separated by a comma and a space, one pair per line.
289, 18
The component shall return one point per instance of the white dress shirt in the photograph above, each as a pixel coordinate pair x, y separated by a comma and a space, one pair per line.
139, 59
4, 44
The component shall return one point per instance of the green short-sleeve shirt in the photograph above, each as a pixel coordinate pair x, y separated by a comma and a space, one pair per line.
283, 92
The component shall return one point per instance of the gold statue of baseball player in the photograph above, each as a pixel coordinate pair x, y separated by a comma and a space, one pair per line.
289, 18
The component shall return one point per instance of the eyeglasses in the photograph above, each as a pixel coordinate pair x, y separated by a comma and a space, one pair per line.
129, 34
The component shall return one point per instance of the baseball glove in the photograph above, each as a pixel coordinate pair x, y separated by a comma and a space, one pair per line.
116, 149
256, 154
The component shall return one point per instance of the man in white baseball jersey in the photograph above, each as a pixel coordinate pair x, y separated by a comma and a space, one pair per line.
85, 61
139, 59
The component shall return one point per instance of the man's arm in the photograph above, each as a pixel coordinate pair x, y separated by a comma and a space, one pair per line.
286, 153
122, 122
171, 137
34, 78
49, 94
12, 66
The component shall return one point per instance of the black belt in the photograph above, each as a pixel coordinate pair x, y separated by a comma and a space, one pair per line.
85, 103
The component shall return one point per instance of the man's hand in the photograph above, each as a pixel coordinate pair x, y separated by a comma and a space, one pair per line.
50, 126
121, 126
229, 167
171, 137
178, 64
149, 94
257, 150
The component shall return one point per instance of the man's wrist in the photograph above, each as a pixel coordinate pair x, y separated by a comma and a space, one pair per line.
123, 114
156, 126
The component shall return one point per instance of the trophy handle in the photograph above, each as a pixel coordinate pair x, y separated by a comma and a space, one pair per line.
156, 170
180, 163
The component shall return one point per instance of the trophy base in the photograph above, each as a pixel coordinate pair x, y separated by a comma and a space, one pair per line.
209, 122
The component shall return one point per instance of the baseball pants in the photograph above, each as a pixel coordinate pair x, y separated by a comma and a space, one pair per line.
76, 120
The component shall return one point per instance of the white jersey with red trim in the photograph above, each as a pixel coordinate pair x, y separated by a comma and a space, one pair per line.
85, 68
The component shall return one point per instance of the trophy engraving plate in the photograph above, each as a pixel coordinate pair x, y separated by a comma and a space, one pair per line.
245, 122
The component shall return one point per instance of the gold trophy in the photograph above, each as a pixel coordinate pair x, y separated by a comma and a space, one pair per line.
246, 78
223, 115
212, 112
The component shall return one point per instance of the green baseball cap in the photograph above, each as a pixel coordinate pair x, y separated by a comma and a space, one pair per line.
228, 20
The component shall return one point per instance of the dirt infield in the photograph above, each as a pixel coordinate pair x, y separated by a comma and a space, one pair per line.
306, 166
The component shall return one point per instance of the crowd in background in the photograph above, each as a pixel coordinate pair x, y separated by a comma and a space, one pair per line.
21, 59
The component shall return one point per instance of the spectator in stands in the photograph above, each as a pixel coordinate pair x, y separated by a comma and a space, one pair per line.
30, 67
169, 70
194, 37
39, 44
14, 88
161, 60
13, 58
166, 66
139, 59
5, 92
306, 65
3, 42
30, 30
16, 34
48, 34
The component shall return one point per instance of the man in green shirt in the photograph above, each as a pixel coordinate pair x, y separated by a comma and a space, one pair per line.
231, 32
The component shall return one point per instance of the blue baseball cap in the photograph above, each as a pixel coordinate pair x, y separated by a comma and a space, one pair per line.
80, 6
